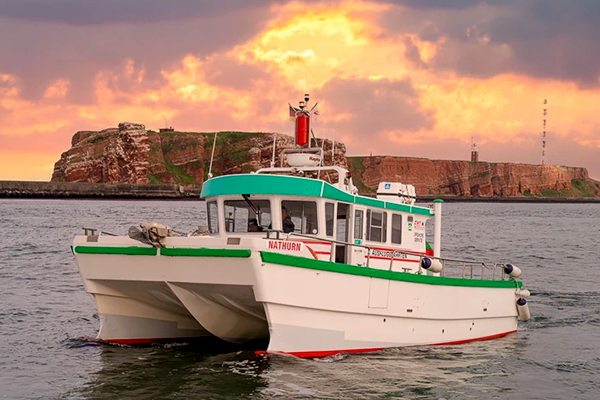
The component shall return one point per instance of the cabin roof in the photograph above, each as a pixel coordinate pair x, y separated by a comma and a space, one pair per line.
294, 186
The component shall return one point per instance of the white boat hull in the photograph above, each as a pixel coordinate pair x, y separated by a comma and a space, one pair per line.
327, 332
301, 306
315, 312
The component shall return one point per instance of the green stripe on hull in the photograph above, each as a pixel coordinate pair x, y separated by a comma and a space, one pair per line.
171, 252
129, 251
204, 252
301, 262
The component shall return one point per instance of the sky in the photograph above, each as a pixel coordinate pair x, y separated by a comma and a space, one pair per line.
416, 78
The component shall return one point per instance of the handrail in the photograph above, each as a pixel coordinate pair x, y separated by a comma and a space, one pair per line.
465, 263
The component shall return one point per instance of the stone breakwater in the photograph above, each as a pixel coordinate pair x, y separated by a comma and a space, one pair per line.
79, 190
108, 191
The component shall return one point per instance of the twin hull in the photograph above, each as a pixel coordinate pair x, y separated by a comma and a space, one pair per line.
300, 306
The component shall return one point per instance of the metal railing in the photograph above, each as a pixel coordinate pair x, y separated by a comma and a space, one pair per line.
470, 269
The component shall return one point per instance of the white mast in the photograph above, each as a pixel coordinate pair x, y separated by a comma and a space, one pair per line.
273, 158
212, 157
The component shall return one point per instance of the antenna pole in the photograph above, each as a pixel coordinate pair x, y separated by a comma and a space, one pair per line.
544, 132
315, 139
212, 157
317, 144
274, 142
333, 150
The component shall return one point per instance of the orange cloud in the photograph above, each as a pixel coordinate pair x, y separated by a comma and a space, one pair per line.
502, 108
58, 90
22, 117
309, 45
338, 50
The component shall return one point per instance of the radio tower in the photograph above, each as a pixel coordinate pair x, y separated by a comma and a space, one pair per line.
544, 133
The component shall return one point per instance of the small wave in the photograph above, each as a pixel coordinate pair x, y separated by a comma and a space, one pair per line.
76, 343
333, 358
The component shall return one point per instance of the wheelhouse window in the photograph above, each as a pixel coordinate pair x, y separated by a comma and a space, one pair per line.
212, 215
376, 226
329, 209
303, 215
247, 216
396, 228
358, 224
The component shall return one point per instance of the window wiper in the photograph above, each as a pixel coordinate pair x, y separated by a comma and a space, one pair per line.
253, 207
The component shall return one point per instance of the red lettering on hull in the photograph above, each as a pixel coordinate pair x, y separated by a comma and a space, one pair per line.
284, 245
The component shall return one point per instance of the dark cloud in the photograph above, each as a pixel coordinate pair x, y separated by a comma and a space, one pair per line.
375, 105
89, 12
540, 38
223, 71
412, 54
447, 4
42, 53
552, 38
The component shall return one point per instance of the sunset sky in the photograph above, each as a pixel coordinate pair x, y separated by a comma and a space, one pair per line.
405, 78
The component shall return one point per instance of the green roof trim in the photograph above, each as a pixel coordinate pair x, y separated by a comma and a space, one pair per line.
128, 251
261, 184
204, 252
301, 262
331, 192
368, 201
399, 207
294, 186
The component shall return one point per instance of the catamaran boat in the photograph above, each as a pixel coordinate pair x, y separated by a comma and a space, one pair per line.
293, 257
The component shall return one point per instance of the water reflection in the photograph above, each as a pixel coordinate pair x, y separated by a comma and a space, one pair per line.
165, 372
417, 372
174, 372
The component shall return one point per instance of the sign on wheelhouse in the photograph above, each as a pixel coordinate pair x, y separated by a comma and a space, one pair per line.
295, 260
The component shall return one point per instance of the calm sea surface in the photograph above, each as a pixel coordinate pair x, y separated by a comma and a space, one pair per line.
46, 317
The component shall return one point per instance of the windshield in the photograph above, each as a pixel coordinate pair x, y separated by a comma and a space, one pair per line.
247, 216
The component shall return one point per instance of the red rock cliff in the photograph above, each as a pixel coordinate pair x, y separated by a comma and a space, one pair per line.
465, 178
112, 155
131, 154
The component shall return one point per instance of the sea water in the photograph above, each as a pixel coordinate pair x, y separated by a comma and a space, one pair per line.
46, 318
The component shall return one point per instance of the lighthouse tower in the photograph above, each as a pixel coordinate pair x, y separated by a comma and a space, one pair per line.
474, 151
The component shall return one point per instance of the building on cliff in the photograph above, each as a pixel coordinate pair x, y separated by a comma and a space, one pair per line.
474, 151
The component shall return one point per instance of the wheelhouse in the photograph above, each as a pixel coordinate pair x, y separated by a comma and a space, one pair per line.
334, 224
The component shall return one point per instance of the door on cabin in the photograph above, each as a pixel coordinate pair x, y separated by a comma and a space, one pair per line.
342, 232
358, 255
